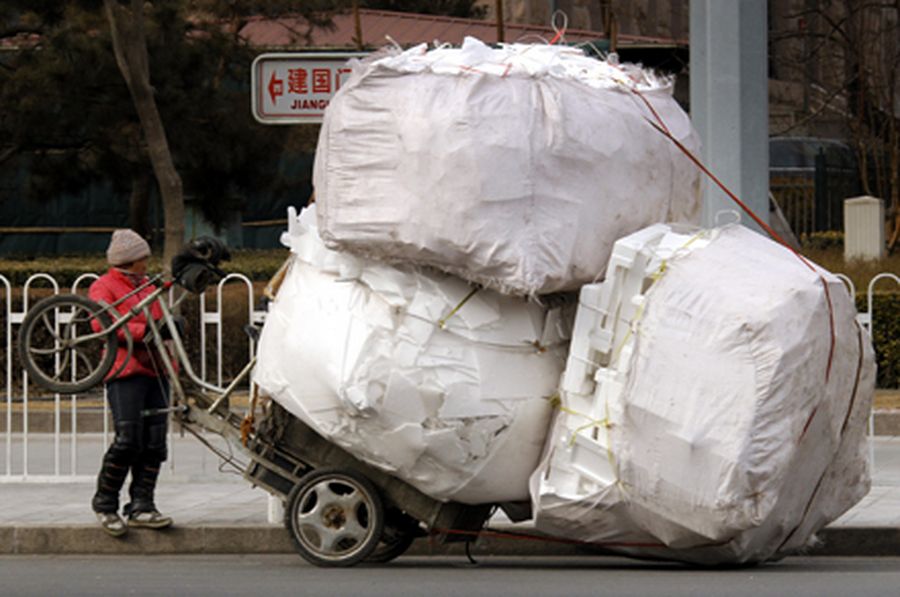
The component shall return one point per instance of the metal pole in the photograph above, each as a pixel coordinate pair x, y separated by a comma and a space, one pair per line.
729, 101
501, 37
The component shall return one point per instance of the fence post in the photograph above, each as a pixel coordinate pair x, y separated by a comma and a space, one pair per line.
19, 318
9, 359
870, 320
73, 442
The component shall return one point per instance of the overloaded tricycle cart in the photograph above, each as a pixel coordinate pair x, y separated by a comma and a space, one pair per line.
339, 511
705, 400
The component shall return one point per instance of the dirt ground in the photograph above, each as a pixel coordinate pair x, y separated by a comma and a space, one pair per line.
887, 399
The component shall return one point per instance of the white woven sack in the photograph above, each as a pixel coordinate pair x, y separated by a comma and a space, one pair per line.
697, 422
403, 371
516, 168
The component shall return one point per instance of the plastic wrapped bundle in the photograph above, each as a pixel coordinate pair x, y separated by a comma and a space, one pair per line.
412, 371
697, 422
516, 168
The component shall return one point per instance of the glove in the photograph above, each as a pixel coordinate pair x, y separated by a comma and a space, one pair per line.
196, 266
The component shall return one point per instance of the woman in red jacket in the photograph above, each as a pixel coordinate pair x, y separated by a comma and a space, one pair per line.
139, 445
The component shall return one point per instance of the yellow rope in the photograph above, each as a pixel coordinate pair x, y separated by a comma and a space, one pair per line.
556, 402
655, 276
442, 323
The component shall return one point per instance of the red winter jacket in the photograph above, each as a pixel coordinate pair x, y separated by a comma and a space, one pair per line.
109, 288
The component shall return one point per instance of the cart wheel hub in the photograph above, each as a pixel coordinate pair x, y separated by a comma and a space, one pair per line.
334, 517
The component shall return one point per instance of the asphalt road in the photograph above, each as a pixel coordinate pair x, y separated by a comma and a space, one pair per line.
433, 577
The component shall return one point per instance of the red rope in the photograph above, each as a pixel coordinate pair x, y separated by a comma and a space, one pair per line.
652, 111
558, 36
661, 127
809, 421
548, 539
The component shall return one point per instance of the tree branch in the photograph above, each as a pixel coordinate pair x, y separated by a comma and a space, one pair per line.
826, 104
130, 46
8, 153
14, 31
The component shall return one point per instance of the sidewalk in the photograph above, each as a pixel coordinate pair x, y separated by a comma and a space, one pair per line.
221, 513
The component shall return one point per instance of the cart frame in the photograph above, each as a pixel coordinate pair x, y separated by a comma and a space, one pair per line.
339, 510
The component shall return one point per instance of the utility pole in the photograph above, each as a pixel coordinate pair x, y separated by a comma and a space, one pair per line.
730, 102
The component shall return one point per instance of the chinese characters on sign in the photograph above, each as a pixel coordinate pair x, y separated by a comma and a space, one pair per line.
296, 88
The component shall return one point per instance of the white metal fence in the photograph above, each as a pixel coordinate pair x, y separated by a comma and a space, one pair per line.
42, 450
53, 454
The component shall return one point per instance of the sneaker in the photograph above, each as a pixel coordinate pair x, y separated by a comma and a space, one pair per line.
150, 519
112, 523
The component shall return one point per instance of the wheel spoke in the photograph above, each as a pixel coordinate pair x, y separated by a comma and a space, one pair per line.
86, 318
352, 501
45, 351
62, 366
49, 326
313, 526
354, 530
328, 540
325, 495
312, 517
84, 358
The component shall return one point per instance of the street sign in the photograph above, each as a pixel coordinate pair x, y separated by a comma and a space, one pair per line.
296, 88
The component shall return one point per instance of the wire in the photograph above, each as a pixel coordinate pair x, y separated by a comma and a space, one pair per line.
560, 30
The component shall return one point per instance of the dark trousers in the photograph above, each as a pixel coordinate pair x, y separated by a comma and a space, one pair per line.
139, 445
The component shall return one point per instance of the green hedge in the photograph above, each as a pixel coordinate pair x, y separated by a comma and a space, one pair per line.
822, 241
886, 335
259, 266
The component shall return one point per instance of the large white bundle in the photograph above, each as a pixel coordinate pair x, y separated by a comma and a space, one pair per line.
398, 368
696, 415
516, 168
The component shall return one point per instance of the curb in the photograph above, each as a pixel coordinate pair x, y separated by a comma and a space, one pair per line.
273, 539
87, 539
858, 541
887, 422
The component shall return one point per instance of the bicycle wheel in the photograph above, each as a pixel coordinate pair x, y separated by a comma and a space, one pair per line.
52, 348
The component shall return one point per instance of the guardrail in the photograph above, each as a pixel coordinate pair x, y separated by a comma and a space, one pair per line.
47, 452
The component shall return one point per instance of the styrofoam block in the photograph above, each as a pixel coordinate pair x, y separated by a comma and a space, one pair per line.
410, 372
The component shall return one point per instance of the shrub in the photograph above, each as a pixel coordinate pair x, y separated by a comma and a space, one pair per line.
256, 265
886, 336
822, 241
261, 265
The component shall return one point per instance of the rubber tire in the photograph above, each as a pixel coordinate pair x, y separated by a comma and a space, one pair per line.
405, 530
62, 301
375, 514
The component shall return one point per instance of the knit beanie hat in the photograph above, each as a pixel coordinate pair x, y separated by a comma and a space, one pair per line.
126, 246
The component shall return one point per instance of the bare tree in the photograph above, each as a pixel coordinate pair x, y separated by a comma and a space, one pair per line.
126, 24
847, 54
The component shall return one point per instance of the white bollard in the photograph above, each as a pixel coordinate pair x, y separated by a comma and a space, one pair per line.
276, 510
863, 228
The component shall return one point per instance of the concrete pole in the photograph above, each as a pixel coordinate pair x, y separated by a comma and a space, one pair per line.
730, 102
